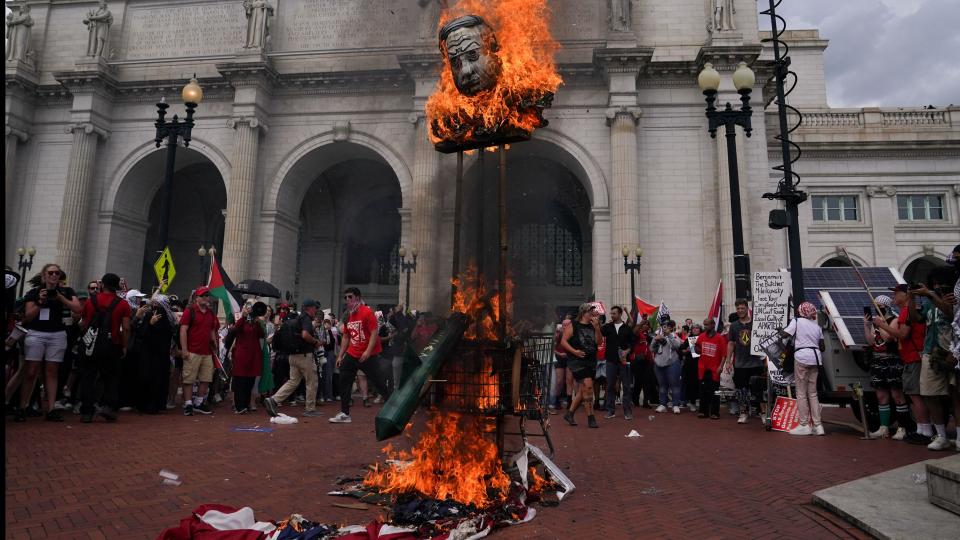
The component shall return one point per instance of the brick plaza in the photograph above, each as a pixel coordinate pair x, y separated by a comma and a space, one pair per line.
685, 478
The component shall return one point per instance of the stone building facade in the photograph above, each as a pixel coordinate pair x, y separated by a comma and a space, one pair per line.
310, 164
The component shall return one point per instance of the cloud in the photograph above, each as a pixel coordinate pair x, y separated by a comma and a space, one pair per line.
884, 52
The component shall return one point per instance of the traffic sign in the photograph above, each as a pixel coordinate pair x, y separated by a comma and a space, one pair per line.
164, 269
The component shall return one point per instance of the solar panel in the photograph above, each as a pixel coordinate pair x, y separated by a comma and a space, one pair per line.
840, 293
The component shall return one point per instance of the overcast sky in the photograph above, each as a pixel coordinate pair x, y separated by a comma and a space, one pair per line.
884, 52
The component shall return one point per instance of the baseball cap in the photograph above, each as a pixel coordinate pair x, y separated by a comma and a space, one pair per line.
203, 291
902, 287
310, 302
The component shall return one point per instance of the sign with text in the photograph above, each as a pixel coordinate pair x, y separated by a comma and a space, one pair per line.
771, 297
785, 415
164, 270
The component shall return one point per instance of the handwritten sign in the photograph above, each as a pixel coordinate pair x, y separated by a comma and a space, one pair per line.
771, 295
785, 415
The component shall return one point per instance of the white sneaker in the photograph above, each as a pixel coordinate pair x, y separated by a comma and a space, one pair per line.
900, 434
171, 405
60, 405
126, 409
341, 418
818, 430
662, 408
799, 430
676, 409
882, 432
743, 420
693, 408
939, 443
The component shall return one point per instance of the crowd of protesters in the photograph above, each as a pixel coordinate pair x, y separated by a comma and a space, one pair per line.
107, 349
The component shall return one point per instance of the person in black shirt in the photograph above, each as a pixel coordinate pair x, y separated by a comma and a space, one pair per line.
619, 338
581, 340
46, 336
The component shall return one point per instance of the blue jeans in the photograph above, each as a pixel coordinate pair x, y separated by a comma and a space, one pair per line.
669, 378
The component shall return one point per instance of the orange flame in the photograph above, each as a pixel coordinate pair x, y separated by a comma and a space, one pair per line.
451, 460
528, 73
472, 298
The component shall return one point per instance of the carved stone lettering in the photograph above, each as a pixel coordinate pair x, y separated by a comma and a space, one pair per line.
336, 24
183, 30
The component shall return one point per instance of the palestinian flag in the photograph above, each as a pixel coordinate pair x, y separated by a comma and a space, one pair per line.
642, 309
221, 288
716, 308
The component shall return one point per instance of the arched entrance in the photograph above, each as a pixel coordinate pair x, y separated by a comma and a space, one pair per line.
337, 223
919, 269
196, 218
548, 220
838, 262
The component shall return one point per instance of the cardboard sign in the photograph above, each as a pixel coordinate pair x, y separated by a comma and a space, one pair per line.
785, 415
771, 296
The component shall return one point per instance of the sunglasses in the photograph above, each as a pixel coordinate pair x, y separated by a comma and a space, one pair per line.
53, 272
348, 297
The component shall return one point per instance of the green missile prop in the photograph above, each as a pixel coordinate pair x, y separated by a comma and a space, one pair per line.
397, 411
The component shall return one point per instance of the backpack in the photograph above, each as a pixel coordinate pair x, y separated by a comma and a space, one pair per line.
285, 339
97, 341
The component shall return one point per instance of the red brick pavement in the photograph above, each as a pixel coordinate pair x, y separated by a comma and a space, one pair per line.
685, 478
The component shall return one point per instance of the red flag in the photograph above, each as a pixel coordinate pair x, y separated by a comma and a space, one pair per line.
642, 309
716, 308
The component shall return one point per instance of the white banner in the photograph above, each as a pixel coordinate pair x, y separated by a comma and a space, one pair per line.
771, 296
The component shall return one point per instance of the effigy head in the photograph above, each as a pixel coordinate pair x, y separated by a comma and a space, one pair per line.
471, 47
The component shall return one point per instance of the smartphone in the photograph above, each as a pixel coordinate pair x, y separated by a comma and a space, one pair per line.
868, 312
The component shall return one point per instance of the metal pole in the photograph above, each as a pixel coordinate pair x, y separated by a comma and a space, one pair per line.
456, 228
167, 190
407, 300
633, 292
502, 285
792, 206
741, 261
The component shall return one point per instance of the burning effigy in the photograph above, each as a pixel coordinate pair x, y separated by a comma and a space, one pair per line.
498, 74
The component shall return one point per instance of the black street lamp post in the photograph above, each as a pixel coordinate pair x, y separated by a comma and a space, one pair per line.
632, 267
24, 265
407, 267
203, 252
174, 130
730, 118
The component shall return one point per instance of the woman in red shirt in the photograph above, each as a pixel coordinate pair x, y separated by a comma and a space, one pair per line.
247, 355
712, 348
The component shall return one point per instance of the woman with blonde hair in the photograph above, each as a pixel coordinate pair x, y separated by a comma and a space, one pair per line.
581, 340
45, 307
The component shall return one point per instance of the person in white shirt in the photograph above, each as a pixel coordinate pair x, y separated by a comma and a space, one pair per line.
808, 346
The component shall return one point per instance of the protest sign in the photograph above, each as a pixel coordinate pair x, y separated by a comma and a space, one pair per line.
785, 415
771, 295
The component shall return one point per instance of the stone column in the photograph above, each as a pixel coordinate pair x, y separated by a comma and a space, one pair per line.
426, 284
14, 138
726, 220
883, 217
237, 236
73, 216
624, 195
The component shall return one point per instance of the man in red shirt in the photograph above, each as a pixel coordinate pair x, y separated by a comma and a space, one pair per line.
360, 353
712, 348
107, 367
909, 330
198, 344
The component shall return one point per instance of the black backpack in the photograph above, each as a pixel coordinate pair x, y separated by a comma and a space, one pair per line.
97, 342
287, 339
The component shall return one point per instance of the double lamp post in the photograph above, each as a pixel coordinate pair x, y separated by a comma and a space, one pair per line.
730, 118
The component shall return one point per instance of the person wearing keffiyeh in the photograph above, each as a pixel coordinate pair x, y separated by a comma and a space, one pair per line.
156, 332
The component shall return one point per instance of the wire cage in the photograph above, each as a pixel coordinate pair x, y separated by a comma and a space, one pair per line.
487, 379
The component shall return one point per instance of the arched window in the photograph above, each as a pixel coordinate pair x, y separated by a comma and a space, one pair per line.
549, 253
838, 262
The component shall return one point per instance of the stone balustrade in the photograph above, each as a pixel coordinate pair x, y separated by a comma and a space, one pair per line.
870, 118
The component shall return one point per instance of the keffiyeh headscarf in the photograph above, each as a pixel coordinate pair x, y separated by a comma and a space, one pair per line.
163, 301
807, 310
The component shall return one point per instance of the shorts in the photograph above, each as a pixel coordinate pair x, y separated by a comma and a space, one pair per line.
197, 367
741, 375
911, 378
933, 383
49, 346
561, 362
886, 371
582, 369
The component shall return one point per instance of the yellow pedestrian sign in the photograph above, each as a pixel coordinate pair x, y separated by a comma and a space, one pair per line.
164, 269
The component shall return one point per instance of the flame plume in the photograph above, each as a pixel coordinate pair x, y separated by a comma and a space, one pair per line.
451, 460
527, 82
483, 306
